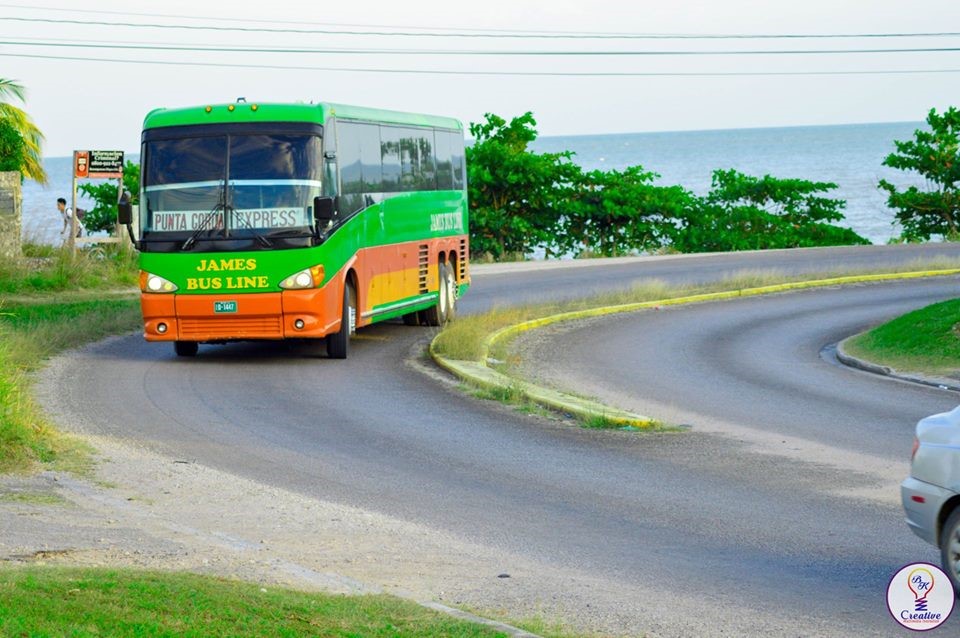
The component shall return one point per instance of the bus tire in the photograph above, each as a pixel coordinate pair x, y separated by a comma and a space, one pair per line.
451, 293
186, 348
438, 314
338, 343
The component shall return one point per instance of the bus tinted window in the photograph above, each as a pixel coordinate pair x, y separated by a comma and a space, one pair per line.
428, 170
196, 159
274, 157
369, 136
457, 159
348, 158
409, 159
390, 154
442, 155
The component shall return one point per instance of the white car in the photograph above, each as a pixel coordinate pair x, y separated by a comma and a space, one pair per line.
931, 494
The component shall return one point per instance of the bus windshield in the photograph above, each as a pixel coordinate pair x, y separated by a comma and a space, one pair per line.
230, 187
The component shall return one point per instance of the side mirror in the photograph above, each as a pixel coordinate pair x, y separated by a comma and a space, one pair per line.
124, 210
324, 210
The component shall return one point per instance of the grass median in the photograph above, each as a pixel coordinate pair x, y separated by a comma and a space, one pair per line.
469, 339
925, 341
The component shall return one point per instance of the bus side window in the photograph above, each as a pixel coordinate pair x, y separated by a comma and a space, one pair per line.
457, 159
390, 154
444, 167
428, 170
409, 159
348, 158
372, 170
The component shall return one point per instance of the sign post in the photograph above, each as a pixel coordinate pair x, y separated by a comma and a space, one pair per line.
94, 165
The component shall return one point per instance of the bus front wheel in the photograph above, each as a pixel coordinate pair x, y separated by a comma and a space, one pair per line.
338, 344
186, 348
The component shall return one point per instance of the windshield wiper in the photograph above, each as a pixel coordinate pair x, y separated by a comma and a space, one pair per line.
212, 215
266, 243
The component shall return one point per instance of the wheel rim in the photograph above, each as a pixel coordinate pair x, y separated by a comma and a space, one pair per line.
451, 290
444, 300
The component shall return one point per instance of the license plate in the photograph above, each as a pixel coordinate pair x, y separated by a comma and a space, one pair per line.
224, 306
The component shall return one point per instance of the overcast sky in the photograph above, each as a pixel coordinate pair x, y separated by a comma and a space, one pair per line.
81, 104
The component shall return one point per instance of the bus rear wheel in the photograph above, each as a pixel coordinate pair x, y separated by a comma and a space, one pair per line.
338, 344
441, 313
186, 348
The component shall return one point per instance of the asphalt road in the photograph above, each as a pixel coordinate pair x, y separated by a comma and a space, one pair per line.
772, 514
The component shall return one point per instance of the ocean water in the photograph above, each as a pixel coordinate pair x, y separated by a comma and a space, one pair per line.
41, 219
850, 156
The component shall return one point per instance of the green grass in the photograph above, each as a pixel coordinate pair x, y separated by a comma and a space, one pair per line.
30, 334
48, 269
102, 602
34, 498
57, 303
925, 341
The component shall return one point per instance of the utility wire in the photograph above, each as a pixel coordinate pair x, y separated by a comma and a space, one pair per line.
482, 34
473, 52
484, 73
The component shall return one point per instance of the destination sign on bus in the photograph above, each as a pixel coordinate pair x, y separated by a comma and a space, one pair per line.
188, 220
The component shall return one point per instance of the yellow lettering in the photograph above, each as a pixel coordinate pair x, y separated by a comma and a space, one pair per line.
249, 282
192, 284
251, 264
217, 283
202, 266
262, 281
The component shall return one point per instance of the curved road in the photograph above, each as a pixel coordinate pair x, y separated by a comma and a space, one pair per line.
773, 515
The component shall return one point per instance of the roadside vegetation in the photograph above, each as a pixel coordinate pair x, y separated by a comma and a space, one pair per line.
45, 601
464, 339
471, 338
20, 140
925, 341
57, 302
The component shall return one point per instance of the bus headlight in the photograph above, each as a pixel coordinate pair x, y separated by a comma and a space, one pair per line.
155, 283
306, 278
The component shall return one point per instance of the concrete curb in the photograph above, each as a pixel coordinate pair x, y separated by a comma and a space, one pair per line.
851, 361
480, 374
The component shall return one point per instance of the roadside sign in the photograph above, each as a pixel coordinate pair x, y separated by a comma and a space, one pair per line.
98, 164
81, 164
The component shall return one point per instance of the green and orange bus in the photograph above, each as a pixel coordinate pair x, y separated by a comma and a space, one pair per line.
297, 221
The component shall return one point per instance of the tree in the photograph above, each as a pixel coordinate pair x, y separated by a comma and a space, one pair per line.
516, 196
934, 154
103, 216
616, 213
12, 148
24, 126
742, 212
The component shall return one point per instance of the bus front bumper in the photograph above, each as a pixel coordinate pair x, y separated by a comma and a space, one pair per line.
225, 317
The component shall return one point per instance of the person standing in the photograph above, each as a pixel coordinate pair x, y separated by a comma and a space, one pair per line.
67, 213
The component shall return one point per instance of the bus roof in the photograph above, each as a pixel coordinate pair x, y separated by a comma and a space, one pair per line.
280, 112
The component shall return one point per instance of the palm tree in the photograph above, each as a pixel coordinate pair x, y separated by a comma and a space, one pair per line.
21, 122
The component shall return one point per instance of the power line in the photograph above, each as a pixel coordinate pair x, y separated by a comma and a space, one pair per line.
485, 73
483, 34
473, 52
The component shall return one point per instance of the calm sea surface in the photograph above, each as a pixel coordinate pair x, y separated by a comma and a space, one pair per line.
848, 155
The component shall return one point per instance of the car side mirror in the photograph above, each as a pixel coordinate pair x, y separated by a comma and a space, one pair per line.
124, 210
324, 210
